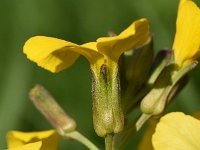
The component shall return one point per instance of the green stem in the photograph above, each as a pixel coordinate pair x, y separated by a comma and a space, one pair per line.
140, 122
109, 142
80, 138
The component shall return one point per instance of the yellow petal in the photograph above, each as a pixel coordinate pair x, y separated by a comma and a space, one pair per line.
134, 36
182, 1
177, 131
31, 146
49, 139
187, 39
96, 58
55, 55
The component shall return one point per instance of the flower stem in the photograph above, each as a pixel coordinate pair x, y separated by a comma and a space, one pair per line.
109, 142
80, 138
140, 122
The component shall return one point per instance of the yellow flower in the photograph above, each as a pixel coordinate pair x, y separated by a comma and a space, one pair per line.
55, 55
177, 131
187, 39
32, 140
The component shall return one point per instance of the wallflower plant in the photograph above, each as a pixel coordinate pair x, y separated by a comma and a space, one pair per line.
121, 82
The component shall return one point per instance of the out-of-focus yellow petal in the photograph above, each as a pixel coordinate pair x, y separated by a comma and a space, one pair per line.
187, 39
182, 1
134, 36
49, 139
55, 55
31, 146
145, 142
177, 131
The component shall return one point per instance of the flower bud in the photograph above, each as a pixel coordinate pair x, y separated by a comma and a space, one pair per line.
47, 105
165, 88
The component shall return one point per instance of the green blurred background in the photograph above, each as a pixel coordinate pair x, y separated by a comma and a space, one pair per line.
78, 21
